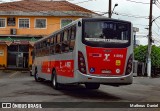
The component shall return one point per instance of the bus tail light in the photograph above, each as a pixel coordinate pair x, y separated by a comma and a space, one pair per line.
129, 65
81, 63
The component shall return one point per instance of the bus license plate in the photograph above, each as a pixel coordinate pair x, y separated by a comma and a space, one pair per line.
106, 71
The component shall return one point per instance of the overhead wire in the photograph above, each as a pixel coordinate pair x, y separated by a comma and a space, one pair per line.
128, 15
133, 16
158, 21
157, 4
83, 2
140, 25
158, 1
157, 25
137, 2
122, 14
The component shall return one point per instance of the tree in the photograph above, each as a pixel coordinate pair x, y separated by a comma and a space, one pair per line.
155, 56
140, 54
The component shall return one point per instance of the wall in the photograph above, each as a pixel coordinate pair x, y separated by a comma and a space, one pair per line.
3, 54
53, 24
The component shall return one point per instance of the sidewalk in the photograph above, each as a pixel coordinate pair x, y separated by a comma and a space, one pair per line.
146, 81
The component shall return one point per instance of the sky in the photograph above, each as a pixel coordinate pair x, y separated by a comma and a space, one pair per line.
137, 13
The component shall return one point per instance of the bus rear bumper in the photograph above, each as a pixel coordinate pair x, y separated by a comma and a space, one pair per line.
108, 80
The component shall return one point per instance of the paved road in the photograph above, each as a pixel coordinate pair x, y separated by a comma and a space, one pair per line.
18, 86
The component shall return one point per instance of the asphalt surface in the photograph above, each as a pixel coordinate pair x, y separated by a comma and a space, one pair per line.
16, 86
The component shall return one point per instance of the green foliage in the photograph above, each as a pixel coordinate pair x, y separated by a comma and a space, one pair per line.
155, 56
140, 54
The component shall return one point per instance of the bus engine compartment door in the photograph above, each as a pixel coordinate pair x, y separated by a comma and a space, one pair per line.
106, 61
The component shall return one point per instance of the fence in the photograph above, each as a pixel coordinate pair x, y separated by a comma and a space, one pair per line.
140, 69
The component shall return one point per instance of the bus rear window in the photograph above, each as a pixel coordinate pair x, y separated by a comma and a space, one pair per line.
106, 32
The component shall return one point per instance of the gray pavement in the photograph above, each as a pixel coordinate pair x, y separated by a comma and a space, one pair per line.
16, 86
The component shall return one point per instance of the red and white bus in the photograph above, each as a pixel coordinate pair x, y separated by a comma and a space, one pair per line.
90, 51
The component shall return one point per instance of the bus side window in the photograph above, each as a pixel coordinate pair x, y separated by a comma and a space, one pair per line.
36, 49
40, 45
48, 42
69, 34
52, 41
73, 33
40, 52
72, 39
43, 52
39, 49
58, 45
55, 39
72, 44
58, 38
48, 47
65, 43
62, 36
58, 48
44, 43
65, 38
45, 48
52, 51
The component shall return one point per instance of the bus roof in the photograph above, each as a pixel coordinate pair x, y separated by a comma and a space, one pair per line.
103, 18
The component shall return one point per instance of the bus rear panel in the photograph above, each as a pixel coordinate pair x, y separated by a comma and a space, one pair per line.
105, 54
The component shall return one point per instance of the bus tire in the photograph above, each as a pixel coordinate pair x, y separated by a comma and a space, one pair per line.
92, 85
37, 79
55, 84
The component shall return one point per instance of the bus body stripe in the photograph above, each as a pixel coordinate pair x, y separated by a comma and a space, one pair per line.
63, 67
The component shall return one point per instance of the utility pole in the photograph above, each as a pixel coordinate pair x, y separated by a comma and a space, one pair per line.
110, 9
149, 41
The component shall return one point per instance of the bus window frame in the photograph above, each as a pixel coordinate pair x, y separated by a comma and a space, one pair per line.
58, 42
109, 45
65, 43
72, 39
52, 45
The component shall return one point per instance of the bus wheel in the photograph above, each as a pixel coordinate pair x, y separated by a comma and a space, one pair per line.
37, 79
92, 85
55, 84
